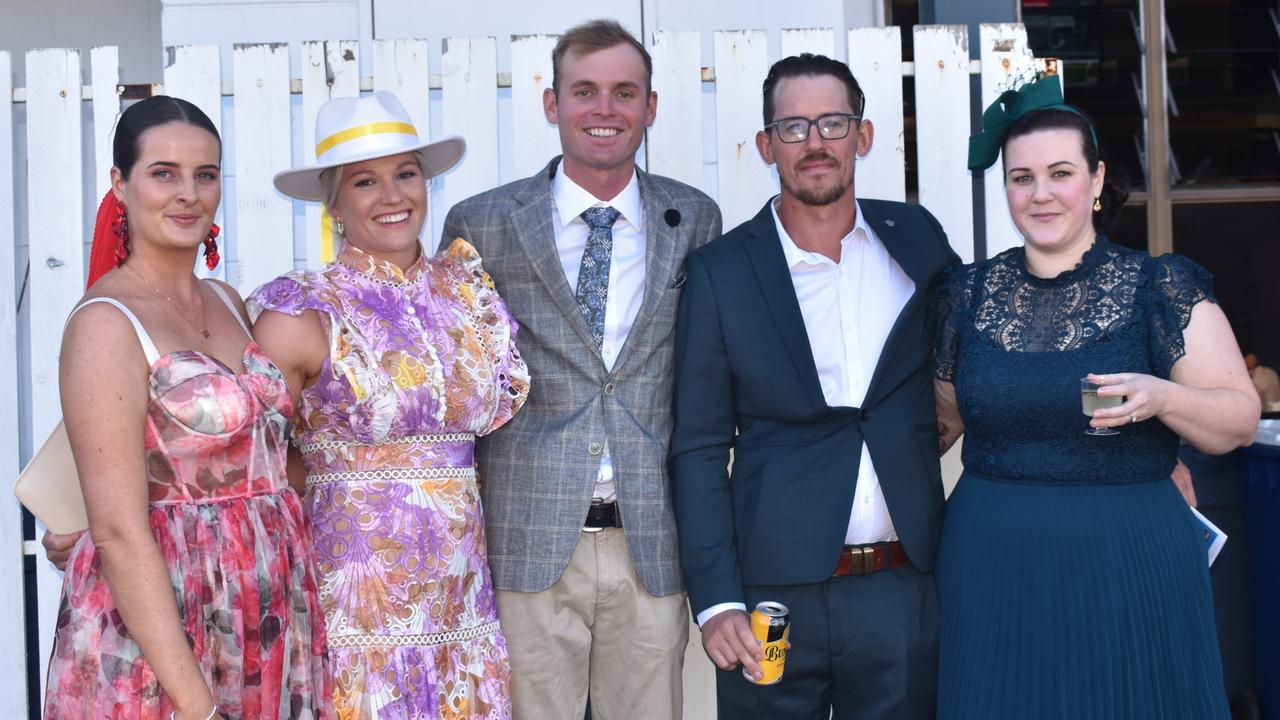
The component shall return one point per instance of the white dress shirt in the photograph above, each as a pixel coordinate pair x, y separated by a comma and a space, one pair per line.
849, 309
626, 272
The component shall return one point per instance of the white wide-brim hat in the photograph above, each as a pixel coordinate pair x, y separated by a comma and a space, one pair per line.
354, 129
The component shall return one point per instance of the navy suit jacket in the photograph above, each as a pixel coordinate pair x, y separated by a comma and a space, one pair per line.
746, 381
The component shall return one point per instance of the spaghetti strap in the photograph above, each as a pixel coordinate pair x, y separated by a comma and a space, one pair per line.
148, 347
222, 295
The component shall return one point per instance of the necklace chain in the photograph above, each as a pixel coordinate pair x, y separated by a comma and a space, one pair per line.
174, 303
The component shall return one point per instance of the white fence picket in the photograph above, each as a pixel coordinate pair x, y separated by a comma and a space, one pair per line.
400, 67
264, 221
13, 661
745, 182
330, 69
1005, 57
534, 140
194, 73
56, 239
875, 57
942, 96
819, 41
105, 63
470, 110
674, 143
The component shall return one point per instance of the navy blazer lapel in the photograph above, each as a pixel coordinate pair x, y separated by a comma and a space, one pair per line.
905, 250
764, 247
531, 222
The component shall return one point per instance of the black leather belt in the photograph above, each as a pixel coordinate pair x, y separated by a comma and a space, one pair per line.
601, 516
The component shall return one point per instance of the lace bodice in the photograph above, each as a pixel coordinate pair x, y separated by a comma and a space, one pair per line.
1016, 346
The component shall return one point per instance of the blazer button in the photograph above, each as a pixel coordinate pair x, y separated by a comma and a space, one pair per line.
864, 415
608, 388
594, 449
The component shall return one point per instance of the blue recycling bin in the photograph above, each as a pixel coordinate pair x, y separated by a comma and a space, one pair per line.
1262, 536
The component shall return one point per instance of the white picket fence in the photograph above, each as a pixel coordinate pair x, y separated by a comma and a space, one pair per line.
464, 91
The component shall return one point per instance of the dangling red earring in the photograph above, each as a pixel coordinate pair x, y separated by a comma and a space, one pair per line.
211, 256
120, 226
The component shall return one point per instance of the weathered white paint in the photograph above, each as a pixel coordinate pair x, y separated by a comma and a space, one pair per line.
875, 57
13, 661
193, 74
819, 41
105, 62
674, 143
1005, 59
330, 69
534, 140
942, 130
745, 182
56, 237
400, 67
470, 110
264, 219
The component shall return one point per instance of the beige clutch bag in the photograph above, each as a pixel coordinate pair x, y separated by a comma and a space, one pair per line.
50, 487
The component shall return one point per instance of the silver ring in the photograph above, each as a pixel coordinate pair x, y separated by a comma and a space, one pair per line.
1133, 418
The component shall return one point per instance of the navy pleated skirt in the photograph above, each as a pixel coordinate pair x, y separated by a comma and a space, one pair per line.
1075, 601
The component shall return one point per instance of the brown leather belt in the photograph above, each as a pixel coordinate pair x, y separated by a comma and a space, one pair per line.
601, 516
866, 559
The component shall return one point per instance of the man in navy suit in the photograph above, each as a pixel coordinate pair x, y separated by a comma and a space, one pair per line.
801, 347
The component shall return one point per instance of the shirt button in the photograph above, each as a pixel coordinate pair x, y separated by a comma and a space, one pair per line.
594, 449
608, 388
411, 310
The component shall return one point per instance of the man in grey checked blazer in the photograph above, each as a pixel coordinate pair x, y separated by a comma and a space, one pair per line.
589, 591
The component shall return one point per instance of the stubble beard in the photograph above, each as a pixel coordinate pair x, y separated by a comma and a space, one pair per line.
818, 196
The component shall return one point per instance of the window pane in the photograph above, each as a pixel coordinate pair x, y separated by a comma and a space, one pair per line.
1224, 91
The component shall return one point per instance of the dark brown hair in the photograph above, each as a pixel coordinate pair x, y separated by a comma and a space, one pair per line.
810, 65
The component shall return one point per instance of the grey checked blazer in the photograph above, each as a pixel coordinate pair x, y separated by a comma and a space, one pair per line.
538, 473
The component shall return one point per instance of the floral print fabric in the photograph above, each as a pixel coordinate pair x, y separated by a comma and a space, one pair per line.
420, 362
240, 559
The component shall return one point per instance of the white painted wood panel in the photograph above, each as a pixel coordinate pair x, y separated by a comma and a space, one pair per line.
330, 69
470, 110
400, 68
1005, 57
56, 237
875, 58
193, 73
674, 143
745, 181
819, 41
534, 140
105, 63
263, 236
13, 661
942, 130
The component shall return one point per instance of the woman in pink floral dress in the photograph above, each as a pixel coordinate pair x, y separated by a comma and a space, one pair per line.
396, 361
194, 594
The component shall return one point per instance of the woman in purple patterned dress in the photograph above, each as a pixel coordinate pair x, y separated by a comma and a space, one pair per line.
396, 362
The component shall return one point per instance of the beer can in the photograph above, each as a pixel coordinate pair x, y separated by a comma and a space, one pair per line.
771, 625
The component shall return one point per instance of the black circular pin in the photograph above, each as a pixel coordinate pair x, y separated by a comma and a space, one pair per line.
672, 216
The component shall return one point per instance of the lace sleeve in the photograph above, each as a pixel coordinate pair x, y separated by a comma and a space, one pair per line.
1178, 285
946, 313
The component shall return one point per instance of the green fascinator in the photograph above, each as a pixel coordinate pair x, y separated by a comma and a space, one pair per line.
1040, 94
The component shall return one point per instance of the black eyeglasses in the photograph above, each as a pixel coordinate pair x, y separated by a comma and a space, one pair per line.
832, 126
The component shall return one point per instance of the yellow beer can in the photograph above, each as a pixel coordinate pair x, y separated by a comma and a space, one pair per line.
771, 625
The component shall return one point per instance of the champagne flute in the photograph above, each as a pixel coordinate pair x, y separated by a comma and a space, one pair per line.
1090, 400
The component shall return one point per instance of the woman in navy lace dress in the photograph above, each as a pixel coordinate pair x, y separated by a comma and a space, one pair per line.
1072, 580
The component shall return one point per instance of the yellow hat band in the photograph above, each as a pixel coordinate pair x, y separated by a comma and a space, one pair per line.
358, 131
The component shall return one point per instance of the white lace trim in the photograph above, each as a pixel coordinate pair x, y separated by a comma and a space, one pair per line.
425, 473
418, 640
436, 439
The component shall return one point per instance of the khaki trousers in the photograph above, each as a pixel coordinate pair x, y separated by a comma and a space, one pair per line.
596, 629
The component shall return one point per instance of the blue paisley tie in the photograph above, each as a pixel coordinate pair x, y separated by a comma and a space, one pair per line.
593, 275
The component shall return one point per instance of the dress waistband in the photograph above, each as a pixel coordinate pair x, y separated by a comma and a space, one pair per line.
364, 640
399, 474
1118, 479
435, 439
